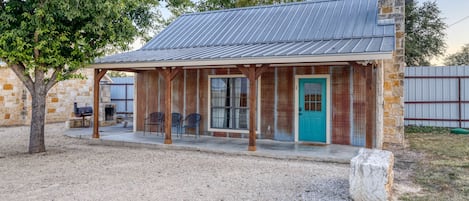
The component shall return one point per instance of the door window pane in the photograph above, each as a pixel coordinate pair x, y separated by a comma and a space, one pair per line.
312, 96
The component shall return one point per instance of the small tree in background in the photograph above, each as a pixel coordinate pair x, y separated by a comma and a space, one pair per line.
425, 33
460, 58
47, 41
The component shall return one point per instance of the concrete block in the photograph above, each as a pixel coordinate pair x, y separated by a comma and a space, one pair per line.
371, 175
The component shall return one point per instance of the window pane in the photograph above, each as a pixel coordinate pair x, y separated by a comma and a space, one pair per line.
313, 94
229, 103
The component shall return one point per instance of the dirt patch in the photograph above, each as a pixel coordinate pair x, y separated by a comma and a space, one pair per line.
405, 165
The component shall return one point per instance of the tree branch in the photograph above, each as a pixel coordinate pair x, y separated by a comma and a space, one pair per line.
52, 80
36, 41
20, 71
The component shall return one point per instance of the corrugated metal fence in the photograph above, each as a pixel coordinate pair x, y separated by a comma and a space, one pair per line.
122, 94
437, 96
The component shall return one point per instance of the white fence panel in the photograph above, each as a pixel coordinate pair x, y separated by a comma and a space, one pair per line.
437, 96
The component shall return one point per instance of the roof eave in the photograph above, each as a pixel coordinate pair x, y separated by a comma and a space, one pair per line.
250, 60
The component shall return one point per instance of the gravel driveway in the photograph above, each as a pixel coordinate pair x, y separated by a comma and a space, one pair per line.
73, 170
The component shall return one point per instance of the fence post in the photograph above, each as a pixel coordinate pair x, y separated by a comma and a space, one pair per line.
459, 102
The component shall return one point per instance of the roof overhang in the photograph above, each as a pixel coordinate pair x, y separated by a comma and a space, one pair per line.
274, 61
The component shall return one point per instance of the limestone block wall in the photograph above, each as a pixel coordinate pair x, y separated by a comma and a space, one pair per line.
15, 100
394, 75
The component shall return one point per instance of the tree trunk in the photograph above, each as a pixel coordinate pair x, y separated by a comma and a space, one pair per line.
36, 136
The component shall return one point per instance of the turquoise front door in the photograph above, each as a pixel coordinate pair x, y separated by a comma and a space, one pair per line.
312, 109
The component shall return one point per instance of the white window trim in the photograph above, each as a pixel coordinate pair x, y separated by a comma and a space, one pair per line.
258, 123
328, 104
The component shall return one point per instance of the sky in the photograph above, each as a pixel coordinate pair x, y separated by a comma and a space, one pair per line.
457, 34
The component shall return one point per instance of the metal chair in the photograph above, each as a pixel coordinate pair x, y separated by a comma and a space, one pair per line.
192, 121
154, 119
176, 121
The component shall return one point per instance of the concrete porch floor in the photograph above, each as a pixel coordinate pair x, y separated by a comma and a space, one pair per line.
119, 136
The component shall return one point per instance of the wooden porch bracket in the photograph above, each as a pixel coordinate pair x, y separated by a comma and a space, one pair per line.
252, 73
98, 75
168, 75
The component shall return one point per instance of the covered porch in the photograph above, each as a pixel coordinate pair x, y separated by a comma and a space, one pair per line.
118, 136
273, 108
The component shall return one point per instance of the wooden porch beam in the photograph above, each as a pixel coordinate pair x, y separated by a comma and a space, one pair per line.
168, 75
124, 69
98, 74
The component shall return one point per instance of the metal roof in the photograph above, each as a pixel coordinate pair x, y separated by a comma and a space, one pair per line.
313, 28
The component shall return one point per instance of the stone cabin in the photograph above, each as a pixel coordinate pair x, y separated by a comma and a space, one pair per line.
327, 71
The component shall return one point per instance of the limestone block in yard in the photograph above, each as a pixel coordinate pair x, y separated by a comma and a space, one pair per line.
371, 175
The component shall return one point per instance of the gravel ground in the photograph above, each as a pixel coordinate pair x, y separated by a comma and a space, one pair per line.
73, 170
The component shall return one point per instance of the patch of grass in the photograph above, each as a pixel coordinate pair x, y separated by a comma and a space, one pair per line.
443, 172
426, 129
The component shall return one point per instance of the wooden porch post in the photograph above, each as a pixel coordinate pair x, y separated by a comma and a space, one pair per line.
252, 73
98, 74
370, 106
168, 75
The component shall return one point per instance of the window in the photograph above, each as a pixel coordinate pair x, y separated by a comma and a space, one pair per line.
229, 103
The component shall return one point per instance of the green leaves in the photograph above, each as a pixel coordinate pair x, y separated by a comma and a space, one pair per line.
70, 34
425, 33
460, 58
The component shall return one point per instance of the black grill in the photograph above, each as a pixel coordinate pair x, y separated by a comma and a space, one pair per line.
82, 111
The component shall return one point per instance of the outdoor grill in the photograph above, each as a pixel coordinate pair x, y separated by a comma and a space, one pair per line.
82, 112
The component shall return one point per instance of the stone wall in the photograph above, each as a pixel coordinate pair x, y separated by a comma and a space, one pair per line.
15, 100
394, 76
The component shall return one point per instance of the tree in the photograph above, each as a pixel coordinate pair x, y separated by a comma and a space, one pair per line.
425, 33
47, 41
179, 7
225, 4
460, 58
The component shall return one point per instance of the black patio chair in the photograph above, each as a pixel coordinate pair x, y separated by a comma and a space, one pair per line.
176, 121
154, 119
192, 121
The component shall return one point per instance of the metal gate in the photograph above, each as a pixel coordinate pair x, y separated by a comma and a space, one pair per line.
122, 94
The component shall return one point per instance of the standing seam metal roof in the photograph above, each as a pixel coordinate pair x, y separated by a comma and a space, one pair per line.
307, 28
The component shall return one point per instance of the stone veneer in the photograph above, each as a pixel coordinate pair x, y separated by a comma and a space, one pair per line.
15, 100
394, 76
